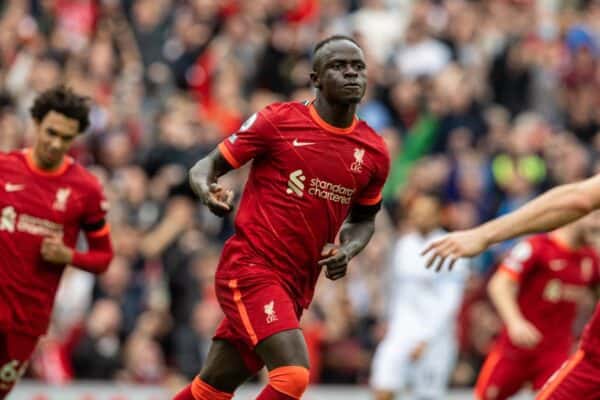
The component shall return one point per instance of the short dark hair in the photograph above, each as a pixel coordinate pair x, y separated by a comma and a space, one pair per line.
333, 38
327, 40
65, 101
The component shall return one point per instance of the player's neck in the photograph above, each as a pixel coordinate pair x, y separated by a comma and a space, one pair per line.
43, 166
338, 115
568, 238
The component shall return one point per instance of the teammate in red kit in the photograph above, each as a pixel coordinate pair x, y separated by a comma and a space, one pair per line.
536, 291
579, 377
316, 168
46, 199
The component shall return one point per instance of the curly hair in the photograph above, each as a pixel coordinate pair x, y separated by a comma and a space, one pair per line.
65, 101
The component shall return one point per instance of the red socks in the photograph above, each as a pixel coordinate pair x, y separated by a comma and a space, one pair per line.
269, 393
199, 390
286, 383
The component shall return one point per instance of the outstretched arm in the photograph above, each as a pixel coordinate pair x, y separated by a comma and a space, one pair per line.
354, 236
555, 208
203, 177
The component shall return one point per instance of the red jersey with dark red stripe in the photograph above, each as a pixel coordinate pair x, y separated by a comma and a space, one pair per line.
590, 341
35, 204
305, 177
552, 280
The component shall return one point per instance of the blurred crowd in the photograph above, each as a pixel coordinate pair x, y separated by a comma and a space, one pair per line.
482, 103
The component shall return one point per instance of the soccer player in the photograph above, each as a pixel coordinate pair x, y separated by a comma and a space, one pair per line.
315, 168
46, 199
579, 377
417, 350
536, 290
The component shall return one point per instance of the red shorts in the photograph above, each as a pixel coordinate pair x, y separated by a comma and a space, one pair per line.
506, 371
15, 350
255, 308
578, 378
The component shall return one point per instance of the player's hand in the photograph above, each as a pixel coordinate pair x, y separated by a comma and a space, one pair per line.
453, 246
418, 351
53, 250
523, 333
335, 260
218, 200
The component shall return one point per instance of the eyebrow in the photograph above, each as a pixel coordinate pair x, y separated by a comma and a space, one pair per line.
61, 134
345, 60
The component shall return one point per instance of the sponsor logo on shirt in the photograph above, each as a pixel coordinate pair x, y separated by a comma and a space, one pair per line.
11, 222
557, 290
270, 312
587, 269
296, 183
13, 187
318, 188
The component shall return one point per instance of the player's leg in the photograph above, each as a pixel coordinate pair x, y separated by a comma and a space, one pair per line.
578, 378
501, 376
388, 370
546, 365
222, 373
263, 315
15, 351
286, 357
432, 371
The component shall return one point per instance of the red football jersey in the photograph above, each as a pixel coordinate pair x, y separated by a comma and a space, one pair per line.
35, 204
590, 341
305, 177
552, 278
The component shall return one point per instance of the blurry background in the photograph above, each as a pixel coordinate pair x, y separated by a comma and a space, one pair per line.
483, 103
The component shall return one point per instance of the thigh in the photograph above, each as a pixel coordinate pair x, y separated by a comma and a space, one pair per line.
225, 367
15, 351
501, 376
389, 366
432, 371
546, 365
284, 349
578, 378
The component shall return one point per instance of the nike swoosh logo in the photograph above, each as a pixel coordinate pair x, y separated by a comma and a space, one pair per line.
296, 143
10, 187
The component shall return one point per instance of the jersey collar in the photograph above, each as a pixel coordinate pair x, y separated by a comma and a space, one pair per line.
67, 161
327, 126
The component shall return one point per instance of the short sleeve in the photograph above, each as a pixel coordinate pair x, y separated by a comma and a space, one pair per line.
252, 139
371, 194
93, 220
521, 260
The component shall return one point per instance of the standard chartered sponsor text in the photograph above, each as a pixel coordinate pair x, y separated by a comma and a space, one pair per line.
329, 191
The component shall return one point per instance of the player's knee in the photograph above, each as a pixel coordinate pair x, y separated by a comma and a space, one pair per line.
290, 380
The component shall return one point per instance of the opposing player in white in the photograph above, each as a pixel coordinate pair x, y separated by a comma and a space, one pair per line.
418, 353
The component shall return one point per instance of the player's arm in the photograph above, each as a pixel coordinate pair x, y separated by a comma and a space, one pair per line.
557, 207
356, 232
503, 289
95, 260
203, 177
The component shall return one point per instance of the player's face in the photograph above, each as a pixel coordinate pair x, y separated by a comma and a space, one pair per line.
342, 73
55, 134
424, 214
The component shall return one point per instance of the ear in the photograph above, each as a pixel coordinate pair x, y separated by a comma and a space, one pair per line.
314, 78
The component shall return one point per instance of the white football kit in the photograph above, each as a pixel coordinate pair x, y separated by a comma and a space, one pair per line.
423, 307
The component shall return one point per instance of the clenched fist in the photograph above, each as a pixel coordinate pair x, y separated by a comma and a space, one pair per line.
54, 250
